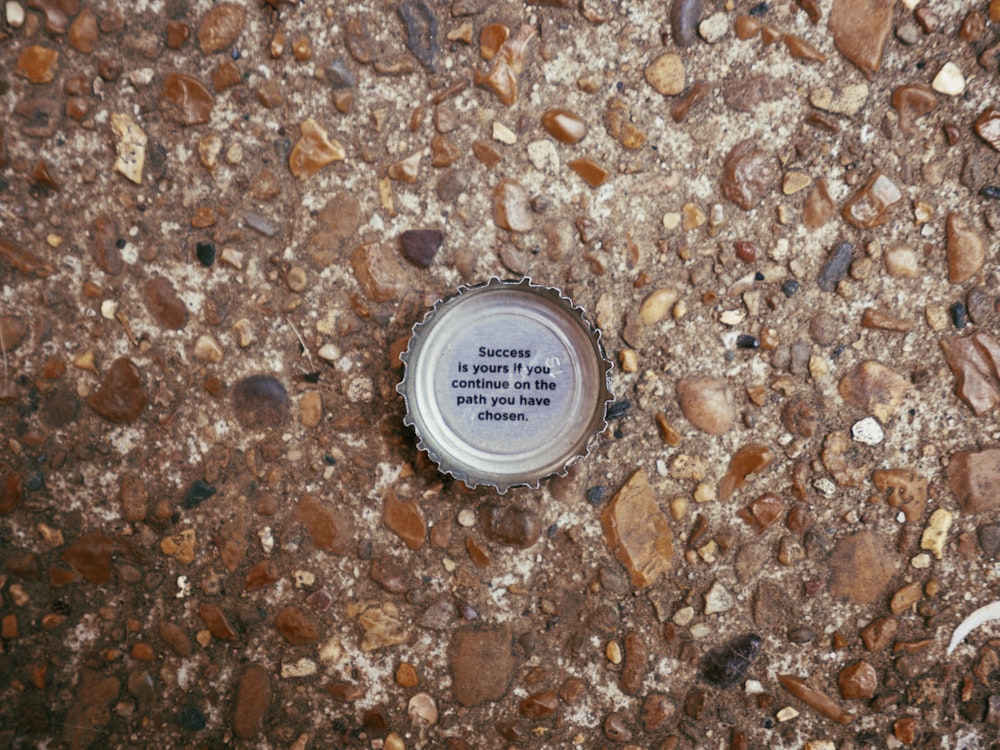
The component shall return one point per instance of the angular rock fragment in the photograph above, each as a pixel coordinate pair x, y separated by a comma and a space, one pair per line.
380, 274
331, 529
382, 628
912, 102
260, 401
314, 150
861, 568
421, 245
187, 100
38, 64
874, 388
421, 31
835, 267
750, 459
869, 207
405, 519
727, 665
815, 699
16, 257
974, 477
120, 398
481, 663
510, 525
988, 127
130, 147
512, 207
637, 532
966, 250
666, 74
507, 66
975, 360
860, 29
90, 556
907, 490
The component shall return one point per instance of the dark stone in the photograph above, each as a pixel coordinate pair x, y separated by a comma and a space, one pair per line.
421, 31
120, 397
618, 409
596, 495
206, 253
197, 493
958, 315
989, 540
510, 525
421, 245
725, 666
789, 287
746, 341
191, 718
338, 75
685, 15
835, 267
260, 401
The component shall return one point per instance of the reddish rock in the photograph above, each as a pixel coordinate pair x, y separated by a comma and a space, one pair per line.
748, 174
750, 459
120, 397
341, 215
907, 490
104, 246
296, 626
133, 497
860, 29
512, 207
91, 711
975, 360
330, 529
220, 27
10, 490
405, 519
637, 532
164, 304
869, 207
636, 663
988, 127
966, 250
315, 148
912, 102
540, 705
187, 100
510, 525
564, 126
507, 66
253, 699
38, 64
261, 575
381, 276
176, 638
974, 477
858, 680
83, 32
13, 329
481, 663
217, 622
861, 567
879, 634
91, 557
875, 389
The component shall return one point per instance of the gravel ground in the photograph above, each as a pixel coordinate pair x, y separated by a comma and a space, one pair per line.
218, 224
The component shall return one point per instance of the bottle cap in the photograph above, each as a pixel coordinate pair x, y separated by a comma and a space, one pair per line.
505, 383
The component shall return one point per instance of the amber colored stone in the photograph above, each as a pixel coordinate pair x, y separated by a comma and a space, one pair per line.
9, 629
405, 519
203, 217
872, 318
748, 174
165, 306
253, 699
905, 730
869, 207
907, 490
330, 529
637, 532
225, 75
358, 41
973, 27
858, 681
860, 29
539, 705
564, 126
380, 273
811, 8
13, 329
262, 575
697, 92
878, 634
406, 675
507, 66
481, 663
491, 39
120, 397
815, 699
510, 525
636, 663
746, 27
187, 99
905, 598
314, 150
142, 652
973, 477
90, 556
346, 692
269, 94
802, 50
38, 64
406, 170
590, 171
177, 33
42, 176
912, 102
443, 152
966, 250
216, 622
221, 26
83, 32
512, 207
861, 567
750, 459
763, 511
476, 553
296, 626
77, 107
487, 153
302, 49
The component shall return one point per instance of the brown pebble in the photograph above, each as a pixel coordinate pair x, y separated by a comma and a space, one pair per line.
253, 699
819, 206
973, 477
539, 705
564, 126
330, 529
507, 66
860, 29
90, 556
217, 622
637, 532
406, 170
444, 153
815, 699
260, 401
225, 75
746, 27
616, 728
861, 568
491, 38
870, 206
975, 361
697, 92
176, 638
261, 576
189, 102
748, 174
406, 675
750, 459
404, 519
907, 490
346, 692
38, 64
872, 318
512, 207
177, 33
685, 15
858, 681
801, 50
590, 171
481, 663
875, 389
221, 26
314, 150
121, 396
878, 634
912, 102
966, 250
421, 245
707, 403
269, 94
905, 730
763, 511
510, 525
296, 626
83, 32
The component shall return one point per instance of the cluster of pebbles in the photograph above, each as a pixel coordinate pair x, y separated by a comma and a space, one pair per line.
218, 223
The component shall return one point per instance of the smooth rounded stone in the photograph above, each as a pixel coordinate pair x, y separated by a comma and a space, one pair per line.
657, 712
590, 171
616, 727
221, 26
824, 328
867, 431
452, 184
637, 531
728, 664
38, 64
539, 705
707, 403
636, 663
988, 127
444, 153
861, 567
481, 663
949, 80
422, 710
83, 32
685, 15
225, 75
666, 74
253, 699
296, 626
714, 28
912, 102
405, 519
860, 29
564, 126
507, 66
121, 397
187, 100
510, 525
966, 250
90, 556
260, 401
512, 207
801, 635
330, 529
748, 174
14, 13
176, 638
901, 262
140, 684
858, 681
421, 245
800, 49
314, 150
657, 305
311, 408
382, 277
974, 476
207, 349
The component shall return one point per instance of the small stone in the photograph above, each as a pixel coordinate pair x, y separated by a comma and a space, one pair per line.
718, 599
904, 599
405, 520
14, 13
253, 699
973, 477
616, 728
707, 403
861, 568
539, 705
975, 361
714, 28
38, 64
748, 174
130, 147
657, 305
988, 127
878, 634
858, 681
177, 33
83, 32
481, 663
120, 398
314, 150
867, 431
510, 525
260, 401
966, 250
749, 460
221, 27
912, 102
874, 388
422, 710
452, 184
491, 38
406, 170
188, 100
421, 245
728, 664
685, 15
382, 628
564, 126
543, 156
507, 66
207, 349
846, 100
869, 207
860, 29
592, 173
406, 675
329, 529
504, 134
901, 262
657, 712
793, 182
379, 273
936, 533
949, 80
636, 663
90, 556
637, 532
815, 699
311, 409
666, 74
296, 626
512, 207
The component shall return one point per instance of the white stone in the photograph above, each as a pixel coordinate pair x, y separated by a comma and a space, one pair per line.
331, 651
786, 714
108, 309
130, 147
718, 599
183, 587
921, 561
820, 745
302, 668
304, 579
266, 536
754, 687
701, 630
682, 617
329, 352
207, 349
141, 77
504, 134
15, 14
949, 80
422, 710
714, 28
543, 155
467, 517
825, 486
732, 317
671, 220
868, 431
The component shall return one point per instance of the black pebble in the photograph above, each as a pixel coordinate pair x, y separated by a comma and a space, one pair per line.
120, 243
990, 191
619, 409
197, 493
727, 665
206, 253
758, 276
958, 315
746, 341
596, 495
191, 718
790, 287
759, 9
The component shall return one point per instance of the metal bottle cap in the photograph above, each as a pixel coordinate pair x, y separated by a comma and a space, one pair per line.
505, 383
